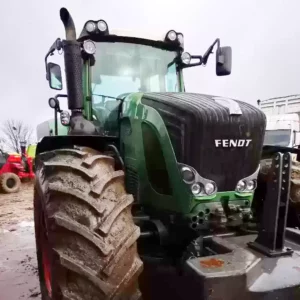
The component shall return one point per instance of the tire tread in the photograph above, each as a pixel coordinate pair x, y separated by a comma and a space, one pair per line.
83, 180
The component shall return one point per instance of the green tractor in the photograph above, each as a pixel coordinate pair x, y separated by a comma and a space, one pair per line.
145, 190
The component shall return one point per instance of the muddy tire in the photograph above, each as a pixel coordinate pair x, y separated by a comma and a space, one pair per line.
85, 234
9, 183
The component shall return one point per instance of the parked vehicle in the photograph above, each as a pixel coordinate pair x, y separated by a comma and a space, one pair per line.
283, 120
14, 168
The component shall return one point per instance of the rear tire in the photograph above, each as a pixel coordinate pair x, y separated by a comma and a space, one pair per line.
9, 183
84, 228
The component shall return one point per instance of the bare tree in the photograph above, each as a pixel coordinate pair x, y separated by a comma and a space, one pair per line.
2, 144
15, 132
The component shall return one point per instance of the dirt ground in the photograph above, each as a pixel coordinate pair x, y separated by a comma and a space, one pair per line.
15, 208
18, 266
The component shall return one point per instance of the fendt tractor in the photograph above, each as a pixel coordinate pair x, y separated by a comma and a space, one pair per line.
152, 192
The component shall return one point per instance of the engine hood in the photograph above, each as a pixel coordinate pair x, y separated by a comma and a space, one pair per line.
220, 137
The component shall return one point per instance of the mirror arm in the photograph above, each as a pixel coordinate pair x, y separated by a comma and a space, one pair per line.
57, 45
209, 51
57, 110
50, 52
204, 58
60, 96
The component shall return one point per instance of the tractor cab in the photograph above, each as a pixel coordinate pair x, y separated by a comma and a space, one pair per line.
118, 64
124, 68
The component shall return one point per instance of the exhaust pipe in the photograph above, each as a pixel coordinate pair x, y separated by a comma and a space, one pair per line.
68, 23
73, 64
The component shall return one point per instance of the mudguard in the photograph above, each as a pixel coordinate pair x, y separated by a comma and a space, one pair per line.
49, 143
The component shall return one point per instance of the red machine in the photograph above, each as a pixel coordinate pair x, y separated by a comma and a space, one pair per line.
13, 169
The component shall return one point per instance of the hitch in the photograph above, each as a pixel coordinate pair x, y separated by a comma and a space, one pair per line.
271, 236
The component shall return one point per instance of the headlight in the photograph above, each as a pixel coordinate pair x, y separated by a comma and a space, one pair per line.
241, 186
65, 118
251, 185
199, 186
102, 26
89, 47
246, 186
188, 175
209, 188
52, 103
180, 38
172, 36
90, 26
186, 58
196, 189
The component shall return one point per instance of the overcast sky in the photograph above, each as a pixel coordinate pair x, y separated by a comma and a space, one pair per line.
264, 36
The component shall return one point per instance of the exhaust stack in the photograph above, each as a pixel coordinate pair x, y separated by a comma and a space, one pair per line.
68, 23
73, 64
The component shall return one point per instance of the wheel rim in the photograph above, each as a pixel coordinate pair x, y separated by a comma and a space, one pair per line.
47, 273
45, 258
10, 183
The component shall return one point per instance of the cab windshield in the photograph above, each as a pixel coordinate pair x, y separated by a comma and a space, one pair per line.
280, 137
123, 68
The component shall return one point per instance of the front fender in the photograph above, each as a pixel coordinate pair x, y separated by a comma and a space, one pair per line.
50, 143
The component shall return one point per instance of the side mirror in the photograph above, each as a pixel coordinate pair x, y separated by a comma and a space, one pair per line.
296, 139
54, 76
223, 61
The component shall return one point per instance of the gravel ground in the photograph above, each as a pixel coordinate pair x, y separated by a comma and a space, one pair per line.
18, 266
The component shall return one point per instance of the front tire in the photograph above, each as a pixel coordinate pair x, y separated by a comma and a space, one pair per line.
85, 234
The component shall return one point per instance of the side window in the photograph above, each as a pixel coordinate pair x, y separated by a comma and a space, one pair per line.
155, 161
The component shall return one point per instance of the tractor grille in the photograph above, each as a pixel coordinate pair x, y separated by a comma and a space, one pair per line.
195, 121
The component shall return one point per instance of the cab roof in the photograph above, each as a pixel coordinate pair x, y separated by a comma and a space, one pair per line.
129, 36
